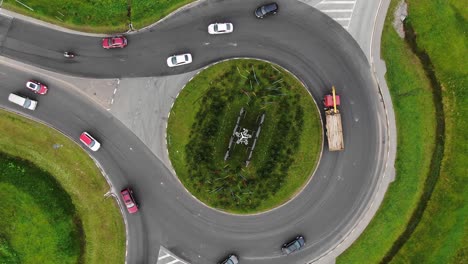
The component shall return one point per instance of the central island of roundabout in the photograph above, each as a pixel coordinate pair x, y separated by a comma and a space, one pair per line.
244, 136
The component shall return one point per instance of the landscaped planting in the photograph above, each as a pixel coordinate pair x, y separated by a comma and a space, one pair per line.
201, 126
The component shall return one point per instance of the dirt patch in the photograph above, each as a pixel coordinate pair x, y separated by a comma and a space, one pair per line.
401, 12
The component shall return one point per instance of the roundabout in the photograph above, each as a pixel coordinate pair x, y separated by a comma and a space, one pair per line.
299, 38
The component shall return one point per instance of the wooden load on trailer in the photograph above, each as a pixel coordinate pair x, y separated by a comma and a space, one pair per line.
333, 121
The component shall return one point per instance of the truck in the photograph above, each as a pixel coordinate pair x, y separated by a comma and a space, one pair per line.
333, 121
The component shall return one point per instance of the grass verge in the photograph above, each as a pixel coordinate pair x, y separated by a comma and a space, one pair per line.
103, 16
436, 232
229, 185
441, 235
77, 174
415, 116
146, 12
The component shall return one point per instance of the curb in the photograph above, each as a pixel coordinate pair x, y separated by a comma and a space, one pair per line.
36, 21
180, 9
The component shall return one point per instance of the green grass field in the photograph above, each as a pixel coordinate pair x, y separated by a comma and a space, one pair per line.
106, 16
76, 173
243, 190
38, 216
146, 12
440, 235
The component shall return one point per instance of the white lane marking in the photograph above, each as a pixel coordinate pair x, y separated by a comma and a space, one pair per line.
163, 257
337, 10
336, 2
174, 261
342, 18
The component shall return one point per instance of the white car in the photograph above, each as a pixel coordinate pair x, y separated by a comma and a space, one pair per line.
89, 141
178, 60
220, 28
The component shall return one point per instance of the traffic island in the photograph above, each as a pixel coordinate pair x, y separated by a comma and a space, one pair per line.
244, 136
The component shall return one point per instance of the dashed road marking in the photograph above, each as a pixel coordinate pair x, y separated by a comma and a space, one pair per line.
340, 11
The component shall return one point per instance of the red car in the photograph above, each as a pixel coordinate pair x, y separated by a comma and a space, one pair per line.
89, 141
129, 200
114, 42
37, 87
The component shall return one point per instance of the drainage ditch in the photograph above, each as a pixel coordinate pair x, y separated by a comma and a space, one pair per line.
437, 155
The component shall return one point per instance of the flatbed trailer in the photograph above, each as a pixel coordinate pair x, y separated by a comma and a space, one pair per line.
333, 122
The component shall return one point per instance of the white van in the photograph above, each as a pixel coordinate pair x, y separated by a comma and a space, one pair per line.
22, 101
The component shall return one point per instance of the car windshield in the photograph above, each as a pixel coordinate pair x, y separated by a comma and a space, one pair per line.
130, 204
216, 28
34, 86
27, 103
294, 246
174, 60
92, 143
186, 57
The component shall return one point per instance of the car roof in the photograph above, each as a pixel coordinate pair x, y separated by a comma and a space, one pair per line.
270, 7
86, 138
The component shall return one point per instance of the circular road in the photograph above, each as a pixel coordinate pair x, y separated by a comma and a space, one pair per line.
299, 38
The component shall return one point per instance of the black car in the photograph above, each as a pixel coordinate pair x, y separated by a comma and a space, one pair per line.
268, 9
294, 245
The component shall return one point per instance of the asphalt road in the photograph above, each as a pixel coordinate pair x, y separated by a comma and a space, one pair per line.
306, 42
